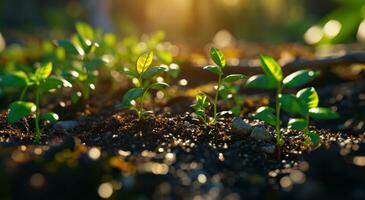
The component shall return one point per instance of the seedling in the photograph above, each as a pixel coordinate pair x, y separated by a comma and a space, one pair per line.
305, 104
223, 85
273, 79
41, 82
142, 76
84, 62
200, 107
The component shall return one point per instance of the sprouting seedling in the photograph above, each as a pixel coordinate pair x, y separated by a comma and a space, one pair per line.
142, 75
305, 104
41, 82
220, 63
273, 79
200, 107
81, 51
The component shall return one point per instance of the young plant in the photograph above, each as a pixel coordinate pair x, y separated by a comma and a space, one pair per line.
220, 62
305, 104
273, 79
142, 76
41, 82
200, 106
83, 62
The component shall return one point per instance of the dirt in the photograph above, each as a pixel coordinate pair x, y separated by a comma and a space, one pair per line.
171, 155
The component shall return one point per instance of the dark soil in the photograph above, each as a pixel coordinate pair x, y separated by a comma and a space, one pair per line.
173, 156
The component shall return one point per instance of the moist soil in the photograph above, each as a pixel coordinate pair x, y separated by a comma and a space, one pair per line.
171, 155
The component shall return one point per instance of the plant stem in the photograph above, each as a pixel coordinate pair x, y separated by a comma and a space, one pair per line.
37, 129
277, 111
216, 99
23, 93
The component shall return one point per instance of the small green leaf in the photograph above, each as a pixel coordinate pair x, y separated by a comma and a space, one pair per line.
94, 63
152, 71
158, 86
217, 57
20, 109
16, 79
320, 113
314, 137
44, 71
144, 62
308, 96
130, 95
147, 112
292, 104
297, 124
130, 73
262, 82
85, 30
299, 78
54, 83
214, 69
70, 48
233, 78
271, 67
50, 116
266, 114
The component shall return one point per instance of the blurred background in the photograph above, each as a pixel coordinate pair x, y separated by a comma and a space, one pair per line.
191, 22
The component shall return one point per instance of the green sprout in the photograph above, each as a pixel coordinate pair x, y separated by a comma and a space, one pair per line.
273, 79
82, 63
200, 107
142, 76
41, 82
223, 87
305, 104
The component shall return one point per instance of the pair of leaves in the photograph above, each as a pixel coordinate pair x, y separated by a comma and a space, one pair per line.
300, 104
274, 76
218, 58
200, 105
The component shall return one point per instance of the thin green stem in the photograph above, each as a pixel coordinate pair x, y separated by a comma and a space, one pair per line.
216, 99
23, 93
277, 111
37, 114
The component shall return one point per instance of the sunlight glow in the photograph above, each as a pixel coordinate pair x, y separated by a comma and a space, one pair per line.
332, 28
313, 35
361, 32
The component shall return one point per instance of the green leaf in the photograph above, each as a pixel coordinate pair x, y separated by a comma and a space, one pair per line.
292, 104
20, 109
297, 124
54, 83
217, 57
144, 62
299, 78
271, 67
314, 137
262, 82
159, 86
16, 79
320, 113
152, 71
70, 48
49, 116
129, 72
233, 78
214, 69
85, 30
130, 95
94, 63
44, 71
266, 114
75, 97
309, 97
